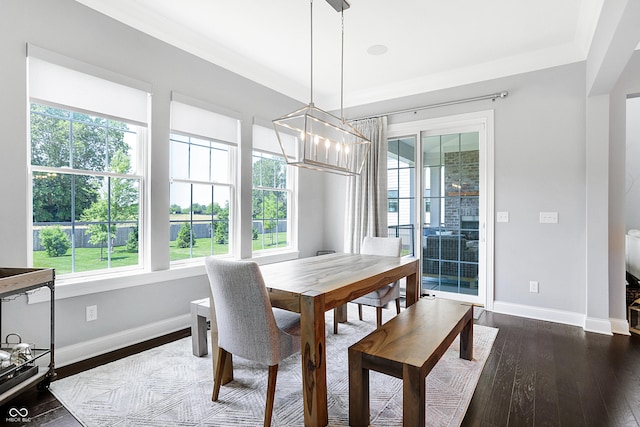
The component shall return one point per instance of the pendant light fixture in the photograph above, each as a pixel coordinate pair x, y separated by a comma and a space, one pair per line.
315, 139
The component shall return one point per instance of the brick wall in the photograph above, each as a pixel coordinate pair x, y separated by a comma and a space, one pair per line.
461, 176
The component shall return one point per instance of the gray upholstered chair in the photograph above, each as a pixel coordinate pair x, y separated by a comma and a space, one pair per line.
389, 246
247, 324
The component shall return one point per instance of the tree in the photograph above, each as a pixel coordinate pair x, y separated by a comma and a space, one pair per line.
185, 238
269, 206
132, 241
99, 229
221, 223
61, 138
118, 202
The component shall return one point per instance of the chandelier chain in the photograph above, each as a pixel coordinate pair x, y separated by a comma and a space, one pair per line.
342, 67
311, 27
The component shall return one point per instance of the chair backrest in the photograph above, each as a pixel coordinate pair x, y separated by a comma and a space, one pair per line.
389, 246
244, 316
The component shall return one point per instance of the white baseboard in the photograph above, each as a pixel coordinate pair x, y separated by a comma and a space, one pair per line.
620, 326
600, 326
87, 349
551, 315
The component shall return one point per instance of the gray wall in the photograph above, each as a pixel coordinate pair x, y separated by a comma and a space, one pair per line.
539, 165
71, 29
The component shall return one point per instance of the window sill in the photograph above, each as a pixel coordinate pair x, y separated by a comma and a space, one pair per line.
271, 256
75, 287
78, 286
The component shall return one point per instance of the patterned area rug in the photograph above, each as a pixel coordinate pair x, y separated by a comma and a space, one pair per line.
168, 386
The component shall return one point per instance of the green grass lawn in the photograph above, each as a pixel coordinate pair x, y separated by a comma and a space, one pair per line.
88, 259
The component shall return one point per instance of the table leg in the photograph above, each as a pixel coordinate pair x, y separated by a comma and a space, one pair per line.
413, 285
466, 338
314, 368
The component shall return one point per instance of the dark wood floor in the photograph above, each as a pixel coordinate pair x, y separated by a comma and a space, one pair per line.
538, 374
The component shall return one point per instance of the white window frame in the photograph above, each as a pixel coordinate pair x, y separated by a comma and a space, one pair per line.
267, 143
212, 183
198, 119
140, 177
62, 82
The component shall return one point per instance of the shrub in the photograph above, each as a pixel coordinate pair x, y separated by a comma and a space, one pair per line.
132, 241
55, 241
185, 239
221, 234
254, 233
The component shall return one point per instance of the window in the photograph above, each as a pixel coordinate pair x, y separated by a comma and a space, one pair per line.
86, 190
87, 140
202, 182
272, 196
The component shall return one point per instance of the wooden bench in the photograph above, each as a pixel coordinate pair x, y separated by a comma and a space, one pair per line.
408, 347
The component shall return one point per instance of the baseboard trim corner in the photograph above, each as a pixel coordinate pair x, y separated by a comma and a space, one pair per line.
597, 325
620, 326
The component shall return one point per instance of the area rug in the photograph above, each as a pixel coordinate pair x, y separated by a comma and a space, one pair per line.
169, 386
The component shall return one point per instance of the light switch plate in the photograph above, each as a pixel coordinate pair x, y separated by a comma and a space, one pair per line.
502, 217
548, 217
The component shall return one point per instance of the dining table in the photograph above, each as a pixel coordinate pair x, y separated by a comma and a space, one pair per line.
311, 286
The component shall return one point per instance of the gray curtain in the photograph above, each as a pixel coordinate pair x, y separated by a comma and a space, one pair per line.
366, 213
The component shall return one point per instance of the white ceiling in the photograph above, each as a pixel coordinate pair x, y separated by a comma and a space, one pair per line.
432, 44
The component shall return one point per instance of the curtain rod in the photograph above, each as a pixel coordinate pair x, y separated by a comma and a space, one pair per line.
492, 97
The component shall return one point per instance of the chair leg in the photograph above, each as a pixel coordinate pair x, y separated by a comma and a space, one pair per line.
378, 317
271, 391
360, 311
217, 380
397, 305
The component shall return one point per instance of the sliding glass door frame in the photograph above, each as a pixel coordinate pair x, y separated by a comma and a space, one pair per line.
481, 122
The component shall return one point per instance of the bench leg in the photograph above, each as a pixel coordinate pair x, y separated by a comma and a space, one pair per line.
198, 332
413, 397
466, 341
359, 412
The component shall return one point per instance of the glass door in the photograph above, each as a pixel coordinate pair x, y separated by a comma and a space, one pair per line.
440, 183
451, 192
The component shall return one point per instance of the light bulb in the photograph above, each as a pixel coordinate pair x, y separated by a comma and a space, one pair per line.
316, 139
302, 135
327, 143
338, 146
346, 149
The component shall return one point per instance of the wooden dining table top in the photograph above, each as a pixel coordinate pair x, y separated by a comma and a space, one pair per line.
340, 277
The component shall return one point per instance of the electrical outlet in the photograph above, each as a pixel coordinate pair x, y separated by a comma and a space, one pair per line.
92, 313
502, 217
548, 217
533, 287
